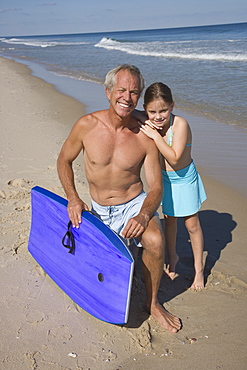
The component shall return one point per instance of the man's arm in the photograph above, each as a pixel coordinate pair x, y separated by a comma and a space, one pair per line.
140, 115
69, 152
138, 224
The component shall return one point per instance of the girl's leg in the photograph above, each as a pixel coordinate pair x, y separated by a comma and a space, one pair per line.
193, 226
170, 226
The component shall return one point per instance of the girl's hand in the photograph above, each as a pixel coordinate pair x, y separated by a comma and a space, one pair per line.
149, 130
151, 124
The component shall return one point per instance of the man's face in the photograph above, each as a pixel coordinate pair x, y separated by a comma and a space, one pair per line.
125, 93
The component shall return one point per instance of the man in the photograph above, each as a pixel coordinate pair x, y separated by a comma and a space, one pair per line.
114, 151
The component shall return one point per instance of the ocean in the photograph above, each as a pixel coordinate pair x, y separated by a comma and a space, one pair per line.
204, 66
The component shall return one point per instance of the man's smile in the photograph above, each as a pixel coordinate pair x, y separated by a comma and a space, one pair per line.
124, 105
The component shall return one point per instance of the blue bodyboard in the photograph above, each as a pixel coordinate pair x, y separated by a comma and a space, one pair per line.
97, 272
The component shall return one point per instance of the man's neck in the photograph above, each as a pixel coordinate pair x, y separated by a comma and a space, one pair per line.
117, 121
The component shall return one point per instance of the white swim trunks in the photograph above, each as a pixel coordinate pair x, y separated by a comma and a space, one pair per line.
117, 217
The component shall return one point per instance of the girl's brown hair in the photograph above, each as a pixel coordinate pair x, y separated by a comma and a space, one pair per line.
158, 90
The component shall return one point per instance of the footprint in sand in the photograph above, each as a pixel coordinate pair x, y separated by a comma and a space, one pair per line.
21, 183
35, 317
60, 333
227, 284
17, 189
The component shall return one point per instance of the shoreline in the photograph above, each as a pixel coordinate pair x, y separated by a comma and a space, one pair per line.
219, 150
42, 326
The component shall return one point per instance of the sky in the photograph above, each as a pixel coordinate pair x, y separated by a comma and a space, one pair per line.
37, 17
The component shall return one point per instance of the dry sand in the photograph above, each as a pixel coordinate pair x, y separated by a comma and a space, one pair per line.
41, 328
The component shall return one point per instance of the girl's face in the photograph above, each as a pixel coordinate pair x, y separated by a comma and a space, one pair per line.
159, 111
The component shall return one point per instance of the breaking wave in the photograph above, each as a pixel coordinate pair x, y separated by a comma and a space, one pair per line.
182, 50
39, 43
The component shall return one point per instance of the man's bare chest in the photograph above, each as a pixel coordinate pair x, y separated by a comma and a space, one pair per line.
121, 151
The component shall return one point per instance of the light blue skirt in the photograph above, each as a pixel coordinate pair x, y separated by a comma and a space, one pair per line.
183, 192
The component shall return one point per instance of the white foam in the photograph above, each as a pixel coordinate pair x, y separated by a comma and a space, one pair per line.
160, 50
42, 44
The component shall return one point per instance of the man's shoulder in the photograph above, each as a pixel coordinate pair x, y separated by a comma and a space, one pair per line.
91, 118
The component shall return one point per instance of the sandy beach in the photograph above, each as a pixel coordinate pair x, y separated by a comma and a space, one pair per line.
41, 327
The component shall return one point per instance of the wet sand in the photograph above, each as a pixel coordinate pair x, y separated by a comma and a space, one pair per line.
44, 329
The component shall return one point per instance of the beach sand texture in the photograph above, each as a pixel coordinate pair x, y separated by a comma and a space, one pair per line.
41, 328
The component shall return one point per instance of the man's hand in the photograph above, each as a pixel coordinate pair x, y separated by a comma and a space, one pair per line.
75, 208
135, 226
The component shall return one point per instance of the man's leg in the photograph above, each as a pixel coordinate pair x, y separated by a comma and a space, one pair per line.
153, 264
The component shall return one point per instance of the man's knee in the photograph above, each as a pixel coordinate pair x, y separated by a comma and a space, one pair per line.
153, 241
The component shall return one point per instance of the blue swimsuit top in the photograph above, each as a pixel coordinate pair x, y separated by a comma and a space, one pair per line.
170, 134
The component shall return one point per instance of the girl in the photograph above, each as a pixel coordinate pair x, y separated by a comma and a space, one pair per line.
183, 187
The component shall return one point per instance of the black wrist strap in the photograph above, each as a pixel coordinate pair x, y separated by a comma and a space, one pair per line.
68, 240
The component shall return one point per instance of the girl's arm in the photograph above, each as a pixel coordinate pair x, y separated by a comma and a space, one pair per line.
181, 132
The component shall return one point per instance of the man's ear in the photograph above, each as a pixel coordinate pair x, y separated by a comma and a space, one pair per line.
108, 93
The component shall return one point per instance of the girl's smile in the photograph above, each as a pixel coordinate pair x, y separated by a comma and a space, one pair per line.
158, 112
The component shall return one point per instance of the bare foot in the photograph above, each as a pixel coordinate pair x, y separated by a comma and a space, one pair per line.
198, 283
170, 275
170, 269
165, 318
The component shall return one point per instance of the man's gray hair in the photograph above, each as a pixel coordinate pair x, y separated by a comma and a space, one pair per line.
110, 78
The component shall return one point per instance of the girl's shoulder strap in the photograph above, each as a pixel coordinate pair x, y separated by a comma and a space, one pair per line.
171, 119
